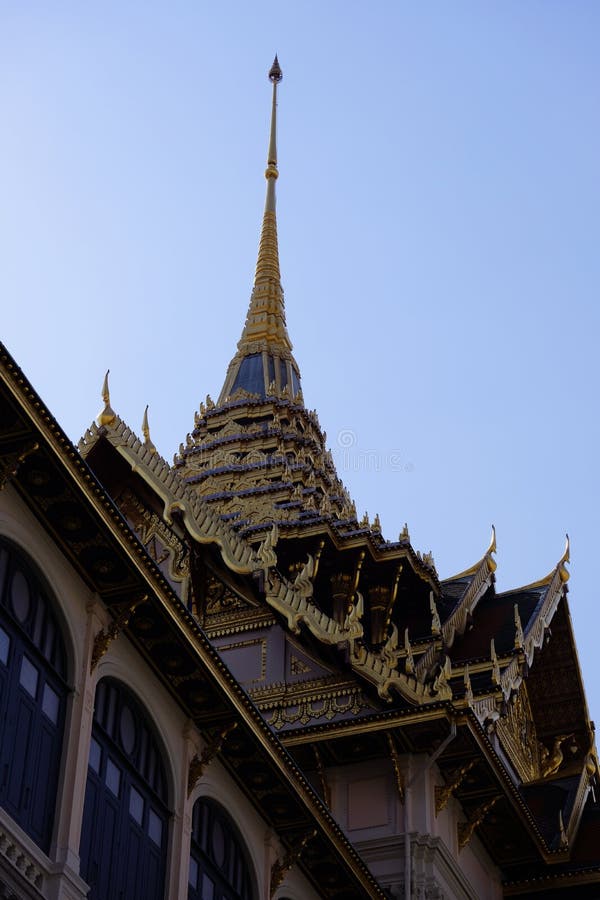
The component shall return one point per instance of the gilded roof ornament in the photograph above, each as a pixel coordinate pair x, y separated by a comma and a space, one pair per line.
107, 416
560, 570
409, 660
468, 686
436, 625
495, 664
146, 433
488, 558
519, 636
565, 558
265, 329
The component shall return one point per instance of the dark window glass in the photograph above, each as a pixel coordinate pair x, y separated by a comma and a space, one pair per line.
32, 697
136, 805
95, 755
113, 777
193, 877
295, 382
4, 646
125, 819
250, 375
283, 370
218, 857
154, 827
50, 703
29, 677
19, 596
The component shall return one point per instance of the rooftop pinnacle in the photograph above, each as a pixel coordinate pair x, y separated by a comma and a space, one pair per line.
264, 359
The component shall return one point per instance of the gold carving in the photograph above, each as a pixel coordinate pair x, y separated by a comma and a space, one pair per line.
266, 552
107, 416
280, 868
552, 760
395, 757
436, 625
10, 466
160, 541
298, 666
146, 433
219, 598
518, 735
322, 775
443, 794
104, 638
519, 636
199, 763
465, 829
318, 706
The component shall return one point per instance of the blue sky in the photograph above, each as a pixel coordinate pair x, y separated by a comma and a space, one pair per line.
438, 207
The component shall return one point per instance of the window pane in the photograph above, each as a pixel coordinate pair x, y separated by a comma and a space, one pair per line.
29, 677
208, 888
113, 777
19, 596
136, 806
193, 879
154, 828
50, 703
95, 756
4, 646
127, 729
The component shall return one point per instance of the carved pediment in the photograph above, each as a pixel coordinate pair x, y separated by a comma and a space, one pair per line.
168, 551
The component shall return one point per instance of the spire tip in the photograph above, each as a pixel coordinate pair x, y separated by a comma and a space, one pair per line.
275, 73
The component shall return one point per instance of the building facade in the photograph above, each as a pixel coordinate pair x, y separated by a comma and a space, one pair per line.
216, 682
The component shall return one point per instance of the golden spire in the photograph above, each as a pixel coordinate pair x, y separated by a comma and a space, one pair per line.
265, 321
265, 331
106, 416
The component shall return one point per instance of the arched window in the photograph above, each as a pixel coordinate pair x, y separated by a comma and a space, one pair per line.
219, 868
33, 692
125, 819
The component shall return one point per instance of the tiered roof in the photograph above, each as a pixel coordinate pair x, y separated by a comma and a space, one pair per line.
365, 649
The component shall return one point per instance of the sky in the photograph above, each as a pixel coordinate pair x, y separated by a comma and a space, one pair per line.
438, 214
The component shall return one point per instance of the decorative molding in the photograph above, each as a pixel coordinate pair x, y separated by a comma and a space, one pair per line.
18, 859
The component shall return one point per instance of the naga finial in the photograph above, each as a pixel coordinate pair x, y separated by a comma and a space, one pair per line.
146, 432
565, 558
107, 416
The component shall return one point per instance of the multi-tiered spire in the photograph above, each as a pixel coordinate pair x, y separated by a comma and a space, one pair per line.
264, 363
258, 455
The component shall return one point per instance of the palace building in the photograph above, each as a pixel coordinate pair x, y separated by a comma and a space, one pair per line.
217, 683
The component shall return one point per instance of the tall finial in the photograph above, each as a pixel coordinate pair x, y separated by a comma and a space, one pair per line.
107, 416
146, 432
265, 330
271, 173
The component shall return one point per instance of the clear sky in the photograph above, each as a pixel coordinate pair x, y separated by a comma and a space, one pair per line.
438, 208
